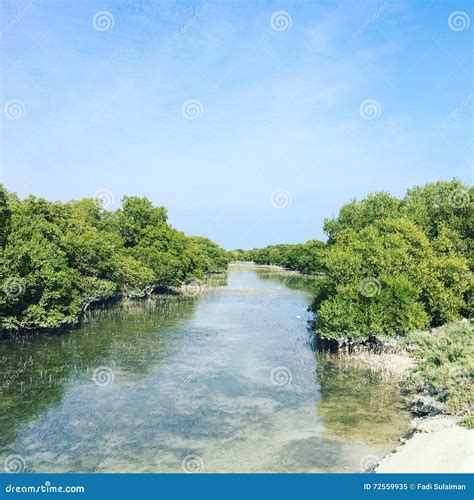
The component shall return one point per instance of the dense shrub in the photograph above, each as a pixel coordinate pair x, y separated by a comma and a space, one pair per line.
207, 256
386, 279
444, 367
394, 266
56, 258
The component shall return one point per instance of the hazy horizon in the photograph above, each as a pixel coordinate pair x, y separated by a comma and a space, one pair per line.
250, 122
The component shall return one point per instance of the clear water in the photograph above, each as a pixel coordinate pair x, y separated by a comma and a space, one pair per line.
224, 381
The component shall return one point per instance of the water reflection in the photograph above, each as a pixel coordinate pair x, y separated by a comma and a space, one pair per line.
192, 376
356, 404
129, 337
289, 279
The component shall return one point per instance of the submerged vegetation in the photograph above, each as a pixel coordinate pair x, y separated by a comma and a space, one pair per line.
390, 265
343, 384
57, 258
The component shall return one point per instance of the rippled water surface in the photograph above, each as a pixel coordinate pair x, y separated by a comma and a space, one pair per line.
225, 381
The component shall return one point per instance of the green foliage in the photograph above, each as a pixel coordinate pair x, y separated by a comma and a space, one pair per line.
439, 205
5, 216
358, 214
304, 257
238, 255
139, 220
373, 282
207, 256
394, 266
468, 421
434, 208
444, 365
57, 258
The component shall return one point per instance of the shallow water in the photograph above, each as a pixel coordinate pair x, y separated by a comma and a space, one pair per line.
221, 382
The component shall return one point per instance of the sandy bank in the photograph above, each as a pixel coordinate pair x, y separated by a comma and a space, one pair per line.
438, 445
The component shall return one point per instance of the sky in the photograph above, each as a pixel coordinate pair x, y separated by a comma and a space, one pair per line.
251, 121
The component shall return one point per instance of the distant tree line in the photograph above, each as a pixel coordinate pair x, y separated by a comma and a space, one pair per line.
57, 258
303, 257
390, 265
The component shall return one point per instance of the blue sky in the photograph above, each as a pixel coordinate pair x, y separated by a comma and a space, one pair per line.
280, 106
